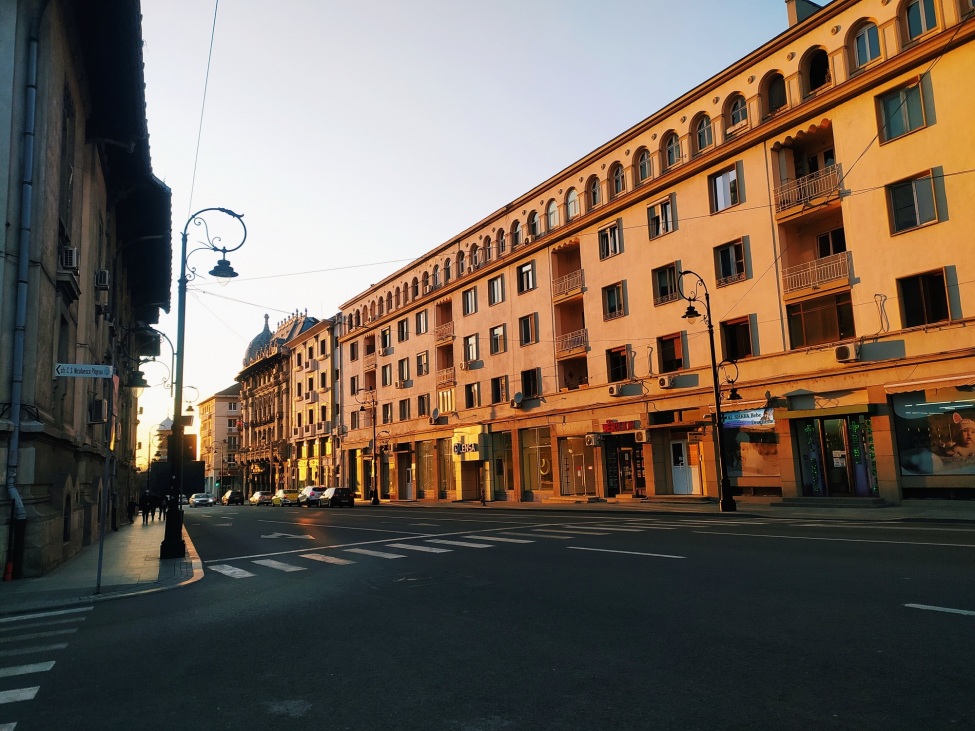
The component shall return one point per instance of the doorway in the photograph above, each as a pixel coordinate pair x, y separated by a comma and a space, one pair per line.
685, 466
836, 456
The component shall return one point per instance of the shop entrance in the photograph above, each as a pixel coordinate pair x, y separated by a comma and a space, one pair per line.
624, 465
686, 467
836, 456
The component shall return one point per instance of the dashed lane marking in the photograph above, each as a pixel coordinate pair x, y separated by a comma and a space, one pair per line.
232, 571
499, 539
39, 635
629, 553
18, 694
428, 549
279, 565
538, 534
948, 610
613, 529
32, 650
464, 544
37, 667
327, 559
377, 554
574, 532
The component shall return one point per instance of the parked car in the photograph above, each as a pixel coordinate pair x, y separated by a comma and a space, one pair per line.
201, 499
335, 497
232, 497
285, 497
310, 495
261, 497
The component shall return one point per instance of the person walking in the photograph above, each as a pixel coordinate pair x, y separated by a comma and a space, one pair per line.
163, 503
130, 510
144, 507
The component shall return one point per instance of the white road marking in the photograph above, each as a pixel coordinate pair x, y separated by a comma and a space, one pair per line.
428, 549
573, 532
287, 535
32, 650
70, 620
377, 554
279, 565
538, 534
464, 544
327, 559
500, 539
629, 553
37, 667
613, 529
835, 540
18, 694
232, 571
7, 726
38, 635
966, 612
22, 617
658, 526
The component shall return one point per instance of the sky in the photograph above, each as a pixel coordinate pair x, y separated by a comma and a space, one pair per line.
356, 136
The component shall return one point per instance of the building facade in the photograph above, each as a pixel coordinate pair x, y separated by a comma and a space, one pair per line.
220, 423
86, 264
812, 198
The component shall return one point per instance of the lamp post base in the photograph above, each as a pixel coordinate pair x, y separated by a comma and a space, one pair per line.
172, 549
727, 503
375, 497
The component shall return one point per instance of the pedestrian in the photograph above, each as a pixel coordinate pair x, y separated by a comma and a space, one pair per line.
163, 502
153, 504
131, 508
144, 504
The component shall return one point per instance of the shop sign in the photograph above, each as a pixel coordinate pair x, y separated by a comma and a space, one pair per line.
753, 417
465, 448
612, 425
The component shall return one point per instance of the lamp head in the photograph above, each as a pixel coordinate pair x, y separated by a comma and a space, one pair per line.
223, 270
138, 383
692, 315
733, 394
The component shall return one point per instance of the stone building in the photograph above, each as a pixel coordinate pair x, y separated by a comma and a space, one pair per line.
220, 423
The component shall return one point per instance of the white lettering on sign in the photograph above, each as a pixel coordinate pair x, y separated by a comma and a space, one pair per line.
465, 448
83, 370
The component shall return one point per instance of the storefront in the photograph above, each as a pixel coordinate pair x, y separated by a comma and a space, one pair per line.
751, 451
622, 447
577, 466
836, 452
470, 450
536, 463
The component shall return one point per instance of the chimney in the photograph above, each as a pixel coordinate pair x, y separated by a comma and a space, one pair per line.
799, 10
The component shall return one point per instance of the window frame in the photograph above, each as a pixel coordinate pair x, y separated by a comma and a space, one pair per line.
644, 166
731, 331
618, 177
839, 301
472, 395
617, 292
928, 24
404, 409
422, 322
864, 31
468, 299
526, 277
496, 290
924, 303
499, 389
423, 363
610, 241
893, 206
423, 404
471, 351
402, 330
704, 133
724, 184
904, 111
531, 383
666, 343
618, 364
498, 342
655, 218
660, 298
672, 150
738, 268
528, 329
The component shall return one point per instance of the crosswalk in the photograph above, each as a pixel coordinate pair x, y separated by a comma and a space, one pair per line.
404, 548
26, 650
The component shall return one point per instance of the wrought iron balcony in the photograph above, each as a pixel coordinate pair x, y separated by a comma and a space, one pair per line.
817, 272
444, 331
572, 341
807, 188
571, 283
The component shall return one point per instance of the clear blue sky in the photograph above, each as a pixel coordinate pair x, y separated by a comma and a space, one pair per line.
354, 137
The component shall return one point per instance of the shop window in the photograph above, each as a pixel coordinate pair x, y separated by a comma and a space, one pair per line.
935, 437
924, 299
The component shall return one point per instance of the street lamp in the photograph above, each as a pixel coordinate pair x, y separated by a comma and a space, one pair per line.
173, 545
369, 404
726, 499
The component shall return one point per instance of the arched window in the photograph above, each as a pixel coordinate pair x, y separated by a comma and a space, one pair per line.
643, 165
501, 242
534, 224
486, 252
380, 306
406, 293
738, 111
476, 255
816, 70
672, 148
425, 282
416, 286
592, 192
515, 235
389, 302
460, 264
358, 318
571, 204
919, 18
703, 132
619, 180
446, 271
866, 45
552, 214
349, 322
775, 97
372, 310
436, 276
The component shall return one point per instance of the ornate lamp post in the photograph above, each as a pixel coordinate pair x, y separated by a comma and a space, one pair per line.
173, 545
726, 500
369, 403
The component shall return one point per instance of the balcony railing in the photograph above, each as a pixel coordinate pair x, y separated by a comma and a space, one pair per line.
807, 188
572, 341
445, 331
447, 376
569, 284
814, 273
369, 360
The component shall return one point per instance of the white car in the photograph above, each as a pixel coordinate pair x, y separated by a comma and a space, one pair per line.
201, 499
310, 495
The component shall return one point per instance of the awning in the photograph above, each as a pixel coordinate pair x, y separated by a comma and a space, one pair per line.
931, 384
825, 413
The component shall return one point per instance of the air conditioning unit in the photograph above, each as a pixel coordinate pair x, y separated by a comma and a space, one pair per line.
465, 365
98, 411
528, 240
101, 279
515, 404
666, 382
400, 384
385, 351
593, 440
640, 435
845, 354
616, 389
69, 258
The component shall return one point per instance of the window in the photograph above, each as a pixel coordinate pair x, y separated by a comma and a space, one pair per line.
739, 111
421, 322
470, 348
924, 299
460, 264
499, 339
571, 204
672, 148
515, 235
912, 203
403, 330
821, 320
403, 369
526, 329
592, 193
830, 243
404, 409
613, 301
534, 224
662, 217
298, 360
354, 351
496, 290
619, 180
671, 349
729, 263
704, 134
552, 215
866, 45
354, 385
445, 400
472, 395
422, 363
775, 94
385, 338
501, 243
447, 271
423, 405
920, 18
231, 423
387, 374
643, 165
469, 300
531, 383
665, 284
526, 277
736, 339
387, 413
610, 240
499, 389
323, 381
724, 189
617, 365
901, 112
354, 420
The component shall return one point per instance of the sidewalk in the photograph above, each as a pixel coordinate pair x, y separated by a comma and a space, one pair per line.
130, 565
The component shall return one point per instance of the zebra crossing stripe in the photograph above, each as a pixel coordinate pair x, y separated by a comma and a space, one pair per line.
30, 651
537, 534
408, 547
377, 554
463, 544
657, 526
499, 539
38, 635
37, 667
327, 559
18, 694
38, 615
613, 528
232, 571
8, 726
279, 565
575, 532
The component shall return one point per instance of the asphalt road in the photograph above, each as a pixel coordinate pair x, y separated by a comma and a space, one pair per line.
488, 620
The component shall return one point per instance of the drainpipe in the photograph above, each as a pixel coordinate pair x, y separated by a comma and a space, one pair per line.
18, 518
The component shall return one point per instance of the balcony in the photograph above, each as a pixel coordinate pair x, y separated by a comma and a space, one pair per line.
833, 269
369, 361
568, 285
444, 332
571, 342
808, 188
446, 376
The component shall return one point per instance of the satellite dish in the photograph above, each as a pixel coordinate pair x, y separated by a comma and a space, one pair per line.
519, 397
435, 414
